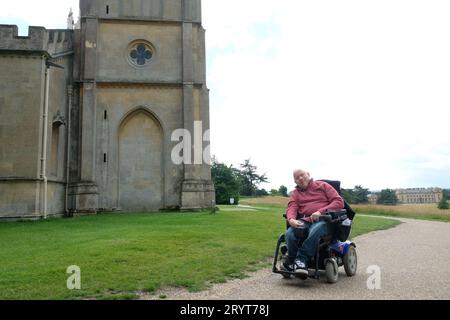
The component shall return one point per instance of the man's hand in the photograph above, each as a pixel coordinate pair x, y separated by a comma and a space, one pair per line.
296, 223
315, 216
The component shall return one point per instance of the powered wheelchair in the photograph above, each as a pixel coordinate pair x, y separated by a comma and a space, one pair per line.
333, 251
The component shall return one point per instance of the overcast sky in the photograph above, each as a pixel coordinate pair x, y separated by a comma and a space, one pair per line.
353, 90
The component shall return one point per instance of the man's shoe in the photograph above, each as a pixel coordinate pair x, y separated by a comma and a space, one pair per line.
300, 267
287, 267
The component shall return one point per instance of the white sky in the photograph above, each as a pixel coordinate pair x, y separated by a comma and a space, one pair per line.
353, 90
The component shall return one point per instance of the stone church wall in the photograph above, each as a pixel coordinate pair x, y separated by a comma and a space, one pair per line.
113, 49
167, 10
125, 103
164, 105
20, 94
22, 91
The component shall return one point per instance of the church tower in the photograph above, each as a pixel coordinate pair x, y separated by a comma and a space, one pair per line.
139, 78
98, 118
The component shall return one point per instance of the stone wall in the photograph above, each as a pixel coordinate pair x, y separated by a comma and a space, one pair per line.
22, 92
113, 48
175, 10
131, 75
163, 105
39, 39
19, 199
21, 100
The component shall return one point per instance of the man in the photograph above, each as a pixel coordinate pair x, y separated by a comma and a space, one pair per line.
308, 202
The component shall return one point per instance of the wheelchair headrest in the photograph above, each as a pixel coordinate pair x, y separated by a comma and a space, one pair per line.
335, 184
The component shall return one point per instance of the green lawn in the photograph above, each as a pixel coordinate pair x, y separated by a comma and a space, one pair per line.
412, 211
122, 254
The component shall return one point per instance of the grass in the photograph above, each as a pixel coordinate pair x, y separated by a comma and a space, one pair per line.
414, 211
268, 200
121, 255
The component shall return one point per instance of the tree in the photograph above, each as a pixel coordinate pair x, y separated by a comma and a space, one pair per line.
226, 182
249, 179
261, 193
283, 190
446, 193
443, 204
359, 195
387, 197
347, 194
274, 192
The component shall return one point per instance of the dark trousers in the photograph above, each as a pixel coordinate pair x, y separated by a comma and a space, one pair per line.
308, 249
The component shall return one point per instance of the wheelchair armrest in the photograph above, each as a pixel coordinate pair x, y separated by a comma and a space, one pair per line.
334, 216
326, 218
337, 212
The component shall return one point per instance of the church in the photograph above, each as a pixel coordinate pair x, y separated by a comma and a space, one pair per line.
88, 113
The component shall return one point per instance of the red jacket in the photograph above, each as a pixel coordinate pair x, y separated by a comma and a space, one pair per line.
318, 196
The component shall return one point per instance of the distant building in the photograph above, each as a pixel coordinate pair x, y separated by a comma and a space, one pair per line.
419, 195
373, 198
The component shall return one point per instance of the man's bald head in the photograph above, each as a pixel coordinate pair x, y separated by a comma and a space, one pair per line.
299, 171
302, 178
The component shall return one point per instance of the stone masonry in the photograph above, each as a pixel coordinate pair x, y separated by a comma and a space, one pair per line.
87, 116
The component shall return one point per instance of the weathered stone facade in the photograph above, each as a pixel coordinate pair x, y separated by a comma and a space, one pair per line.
96, 135
419, 195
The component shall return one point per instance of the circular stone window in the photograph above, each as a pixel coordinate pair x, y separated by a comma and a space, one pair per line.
140, 53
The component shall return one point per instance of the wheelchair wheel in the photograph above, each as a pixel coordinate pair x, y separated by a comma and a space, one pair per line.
350, 262
331, 271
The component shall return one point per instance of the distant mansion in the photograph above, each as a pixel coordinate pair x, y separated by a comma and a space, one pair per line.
419, 195
413, 196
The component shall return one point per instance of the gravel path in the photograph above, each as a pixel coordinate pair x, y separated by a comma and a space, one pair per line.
413, 260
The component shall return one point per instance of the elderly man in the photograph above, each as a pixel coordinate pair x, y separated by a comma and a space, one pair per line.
308, 202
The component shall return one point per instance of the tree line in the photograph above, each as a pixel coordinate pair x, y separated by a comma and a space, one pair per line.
360, 195
232, 183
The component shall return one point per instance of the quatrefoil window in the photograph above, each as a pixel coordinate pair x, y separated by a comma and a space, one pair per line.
140, 53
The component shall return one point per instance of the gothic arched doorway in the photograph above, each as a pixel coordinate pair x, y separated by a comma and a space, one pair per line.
140, 146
